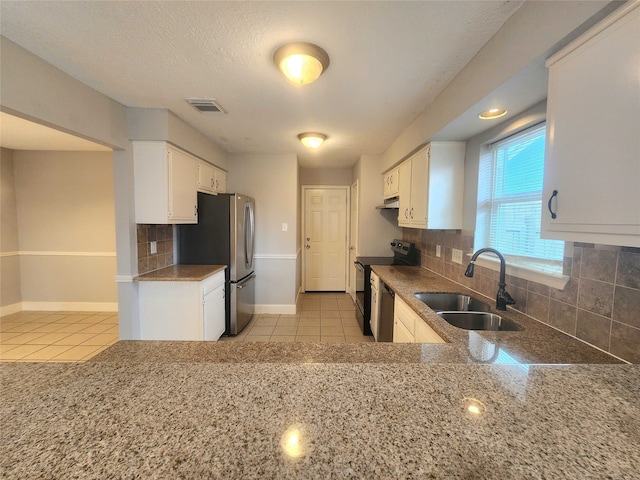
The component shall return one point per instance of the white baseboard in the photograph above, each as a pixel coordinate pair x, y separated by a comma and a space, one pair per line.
10, 309
273, 309
67, 307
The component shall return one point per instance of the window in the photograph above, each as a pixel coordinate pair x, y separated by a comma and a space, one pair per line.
510, 202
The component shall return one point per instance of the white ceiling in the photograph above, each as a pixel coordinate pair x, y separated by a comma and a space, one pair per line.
389, 60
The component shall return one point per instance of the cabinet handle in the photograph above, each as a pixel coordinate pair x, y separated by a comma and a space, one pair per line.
554, 194
212, 183
406, 213
411, 213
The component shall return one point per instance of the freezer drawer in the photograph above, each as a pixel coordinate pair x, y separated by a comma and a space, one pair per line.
241, 307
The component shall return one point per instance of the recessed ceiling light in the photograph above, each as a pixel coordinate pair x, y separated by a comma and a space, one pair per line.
301, 62
312, 139
493, 113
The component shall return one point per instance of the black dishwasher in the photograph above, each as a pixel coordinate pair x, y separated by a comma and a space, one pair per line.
387, 299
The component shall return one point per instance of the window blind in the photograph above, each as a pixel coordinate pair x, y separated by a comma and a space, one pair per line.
510, 197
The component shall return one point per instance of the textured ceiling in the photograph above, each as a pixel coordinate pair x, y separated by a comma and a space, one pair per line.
388, 62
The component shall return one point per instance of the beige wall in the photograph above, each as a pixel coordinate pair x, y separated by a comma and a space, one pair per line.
66, 229
376, 227
10, 295
531, 34
326, 176
161, 124
273, 181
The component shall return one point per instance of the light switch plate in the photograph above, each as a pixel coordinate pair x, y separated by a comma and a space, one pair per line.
438, 251
456, 256
153, 247
285, 227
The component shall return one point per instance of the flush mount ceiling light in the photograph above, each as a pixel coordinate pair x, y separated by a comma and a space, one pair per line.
312, 139
493, 113
301, 62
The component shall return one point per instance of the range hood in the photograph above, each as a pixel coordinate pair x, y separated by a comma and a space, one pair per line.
393, 202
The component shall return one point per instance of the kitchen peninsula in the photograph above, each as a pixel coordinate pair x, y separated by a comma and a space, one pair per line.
486, 405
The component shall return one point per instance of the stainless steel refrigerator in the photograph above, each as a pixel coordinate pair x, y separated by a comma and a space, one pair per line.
224, 235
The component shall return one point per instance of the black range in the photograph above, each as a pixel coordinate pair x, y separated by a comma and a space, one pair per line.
404, 253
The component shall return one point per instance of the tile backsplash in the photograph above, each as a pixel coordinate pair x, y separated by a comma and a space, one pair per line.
163, 236
599, 305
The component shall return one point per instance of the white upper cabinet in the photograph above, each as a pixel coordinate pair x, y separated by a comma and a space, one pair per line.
220, 181
391, 184
431, 187
206, 177
592, 165
165, 179
211, 179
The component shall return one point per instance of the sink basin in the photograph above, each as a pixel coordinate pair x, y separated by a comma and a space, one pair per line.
479, 321
455, 302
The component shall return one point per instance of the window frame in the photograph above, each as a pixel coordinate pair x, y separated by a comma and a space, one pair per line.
541, 270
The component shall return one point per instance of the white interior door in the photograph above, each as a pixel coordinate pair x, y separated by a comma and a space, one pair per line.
325, 239
353, 240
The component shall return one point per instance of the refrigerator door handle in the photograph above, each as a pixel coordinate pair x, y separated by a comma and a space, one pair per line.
245, 281
249, 230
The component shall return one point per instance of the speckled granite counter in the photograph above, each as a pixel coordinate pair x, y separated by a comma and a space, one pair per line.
316, 411
318, 421
180, 273
537, 343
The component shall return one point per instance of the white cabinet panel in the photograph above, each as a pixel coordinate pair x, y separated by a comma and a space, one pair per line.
431, 187
206, 177
592, 158
408, 327
391, 183
182, 310
165, 180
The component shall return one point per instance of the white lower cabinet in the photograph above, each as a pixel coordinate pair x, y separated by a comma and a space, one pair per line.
213, 312
408, 327
182, 310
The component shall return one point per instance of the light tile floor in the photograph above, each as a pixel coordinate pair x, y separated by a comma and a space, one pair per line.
320, 317
56, 336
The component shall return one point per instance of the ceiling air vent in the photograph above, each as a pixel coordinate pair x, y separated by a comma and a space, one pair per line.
206, 105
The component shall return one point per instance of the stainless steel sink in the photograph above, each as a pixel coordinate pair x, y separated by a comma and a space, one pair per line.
452, 302
479, 321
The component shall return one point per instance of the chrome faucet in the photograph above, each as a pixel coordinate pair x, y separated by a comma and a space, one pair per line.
502, 298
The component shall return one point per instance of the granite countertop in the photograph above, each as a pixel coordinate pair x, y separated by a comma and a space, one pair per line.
180, 273
312, 420
537, 343
315, 411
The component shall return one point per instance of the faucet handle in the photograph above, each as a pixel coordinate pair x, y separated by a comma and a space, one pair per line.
508, 299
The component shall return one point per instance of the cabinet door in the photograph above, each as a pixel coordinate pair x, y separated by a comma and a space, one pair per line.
404, 193
425, 334
220, 184
419, 182
401, 334
391, 185
592, 159
206, 177
182, 192
214, 314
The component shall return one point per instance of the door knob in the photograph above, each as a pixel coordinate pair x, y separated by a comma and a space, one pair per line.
307, 247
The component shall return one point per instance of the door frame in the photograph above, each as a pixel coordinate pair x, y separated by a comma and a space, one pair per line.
303, 190
353, 242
